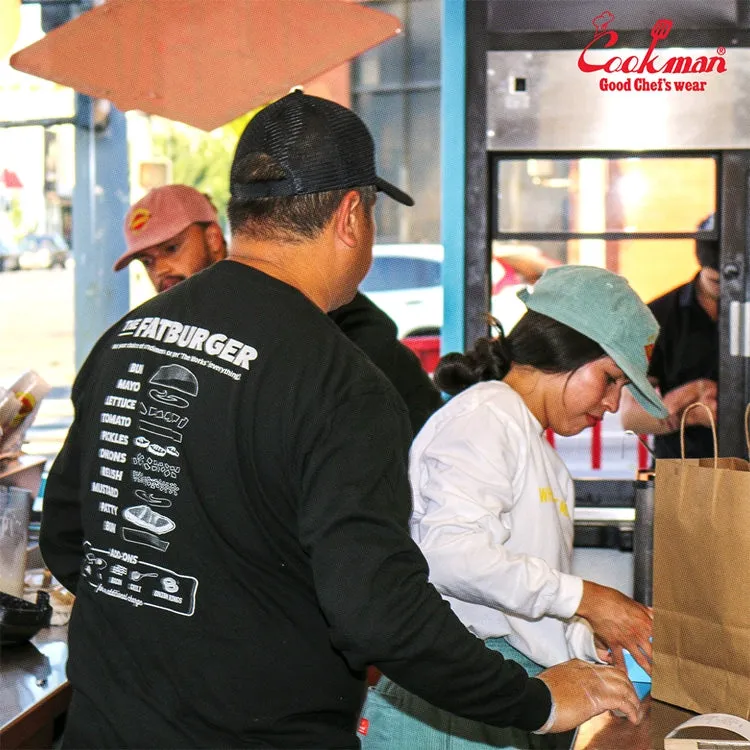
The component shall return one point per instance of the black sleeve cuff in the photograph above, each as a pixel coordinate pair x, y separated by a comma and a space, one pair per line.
536, 706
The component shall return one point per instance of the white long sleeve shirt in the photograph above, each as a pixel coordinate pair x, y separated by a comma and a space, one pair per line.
493, 515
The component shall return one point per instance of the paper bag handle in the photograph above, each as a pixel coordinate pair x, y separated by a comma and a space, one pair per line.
713, 429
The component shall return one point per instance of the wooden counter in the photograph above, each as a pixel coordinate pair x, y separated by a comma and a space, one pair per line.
33, 690
607, 732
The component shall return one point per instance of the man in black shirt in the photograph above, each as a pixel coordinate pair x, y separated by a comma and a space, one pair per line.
685, 361
231, 503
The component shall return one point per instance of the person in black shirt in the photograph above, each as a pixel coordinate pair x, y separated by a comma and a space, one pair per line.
685, 360
174, 231
364, 323
231, 502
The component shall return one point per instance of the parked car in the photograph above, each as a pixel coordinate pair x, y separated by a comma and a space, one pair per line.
8, 255
43, 251
406, 282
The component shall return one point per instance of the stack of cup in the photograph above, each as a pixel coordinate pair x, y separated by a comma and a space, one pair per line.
15, 511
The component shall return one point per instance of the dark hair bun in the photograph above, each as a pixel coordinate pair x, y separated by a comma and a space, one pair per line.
490, 359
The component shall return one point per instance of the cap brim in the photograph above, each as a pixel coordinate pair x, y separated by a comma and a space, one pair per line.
125, 260
643, 392
393, 192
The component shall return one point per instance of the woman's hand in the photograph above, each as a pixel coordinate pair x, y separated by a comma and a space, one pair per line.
602, 651
618, 622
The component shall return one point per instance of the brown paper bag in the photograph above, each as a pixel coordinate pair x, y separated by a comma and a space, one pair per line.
702, 583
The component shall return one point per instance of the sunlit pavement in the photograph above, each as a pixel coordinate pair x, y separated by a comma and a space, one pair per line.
36, 333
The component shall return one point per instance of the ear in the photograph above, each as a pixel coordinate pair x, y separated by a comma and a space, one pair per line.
347, 221
217, 245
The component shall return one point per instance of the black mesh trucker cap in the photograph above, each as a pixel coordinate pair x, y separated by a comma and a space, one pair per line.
319, 144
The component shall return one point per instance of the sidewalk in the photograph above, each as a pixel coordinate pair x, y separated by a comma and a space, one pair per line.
47, 434
36, 333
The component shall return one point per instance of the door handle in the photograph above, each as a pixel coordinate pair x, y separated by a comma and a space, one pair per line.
739, 329
735, 312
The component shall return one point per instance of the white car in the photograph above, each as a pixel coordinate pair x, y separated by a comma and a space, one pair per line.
405, 281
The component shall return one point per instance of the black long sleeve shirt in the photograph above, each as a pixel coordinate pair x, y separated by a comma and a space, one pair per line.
231, 509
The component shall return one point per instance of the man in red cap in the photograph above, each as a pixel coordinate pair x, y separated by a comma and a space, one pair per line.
174, 231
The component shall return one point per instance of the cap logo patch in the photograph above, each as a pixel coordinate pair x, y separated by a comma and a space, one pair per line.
139, 219
364, 725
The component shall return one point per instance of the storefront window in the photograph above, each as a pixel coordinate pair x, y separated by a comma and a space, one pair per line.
596, 195
396, 91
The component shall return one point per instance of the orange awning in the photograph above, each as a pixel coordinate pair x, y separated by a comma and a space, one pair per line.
202, 62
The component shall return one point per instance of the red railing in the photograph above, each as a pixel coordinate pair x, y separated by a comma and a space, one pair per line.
644, 459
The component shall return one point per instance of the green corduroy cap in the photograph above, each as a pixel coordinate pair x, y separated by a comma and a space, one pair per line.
603, 306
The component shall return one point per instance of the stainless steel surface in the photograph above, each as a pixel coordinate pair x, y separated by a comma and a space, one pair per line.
643, 543
608, 516
563, 108
31, 673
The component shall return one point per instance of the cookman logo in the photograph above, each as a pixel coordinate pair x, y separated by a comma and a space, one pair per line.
139, 219
650, 64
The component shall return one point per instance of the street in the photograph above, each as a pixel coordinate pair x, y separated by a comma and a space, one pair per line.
36, 333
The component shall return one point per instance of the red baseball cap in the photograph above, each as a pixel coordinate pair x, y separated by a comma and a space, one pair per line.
162, 214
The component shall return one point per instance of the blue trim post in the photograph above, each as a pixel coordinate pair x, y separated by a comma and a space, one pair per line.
453, 170
100, 201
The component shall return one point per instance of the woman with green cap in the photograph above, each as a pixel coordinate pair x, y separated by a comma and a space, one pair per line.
493, 501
